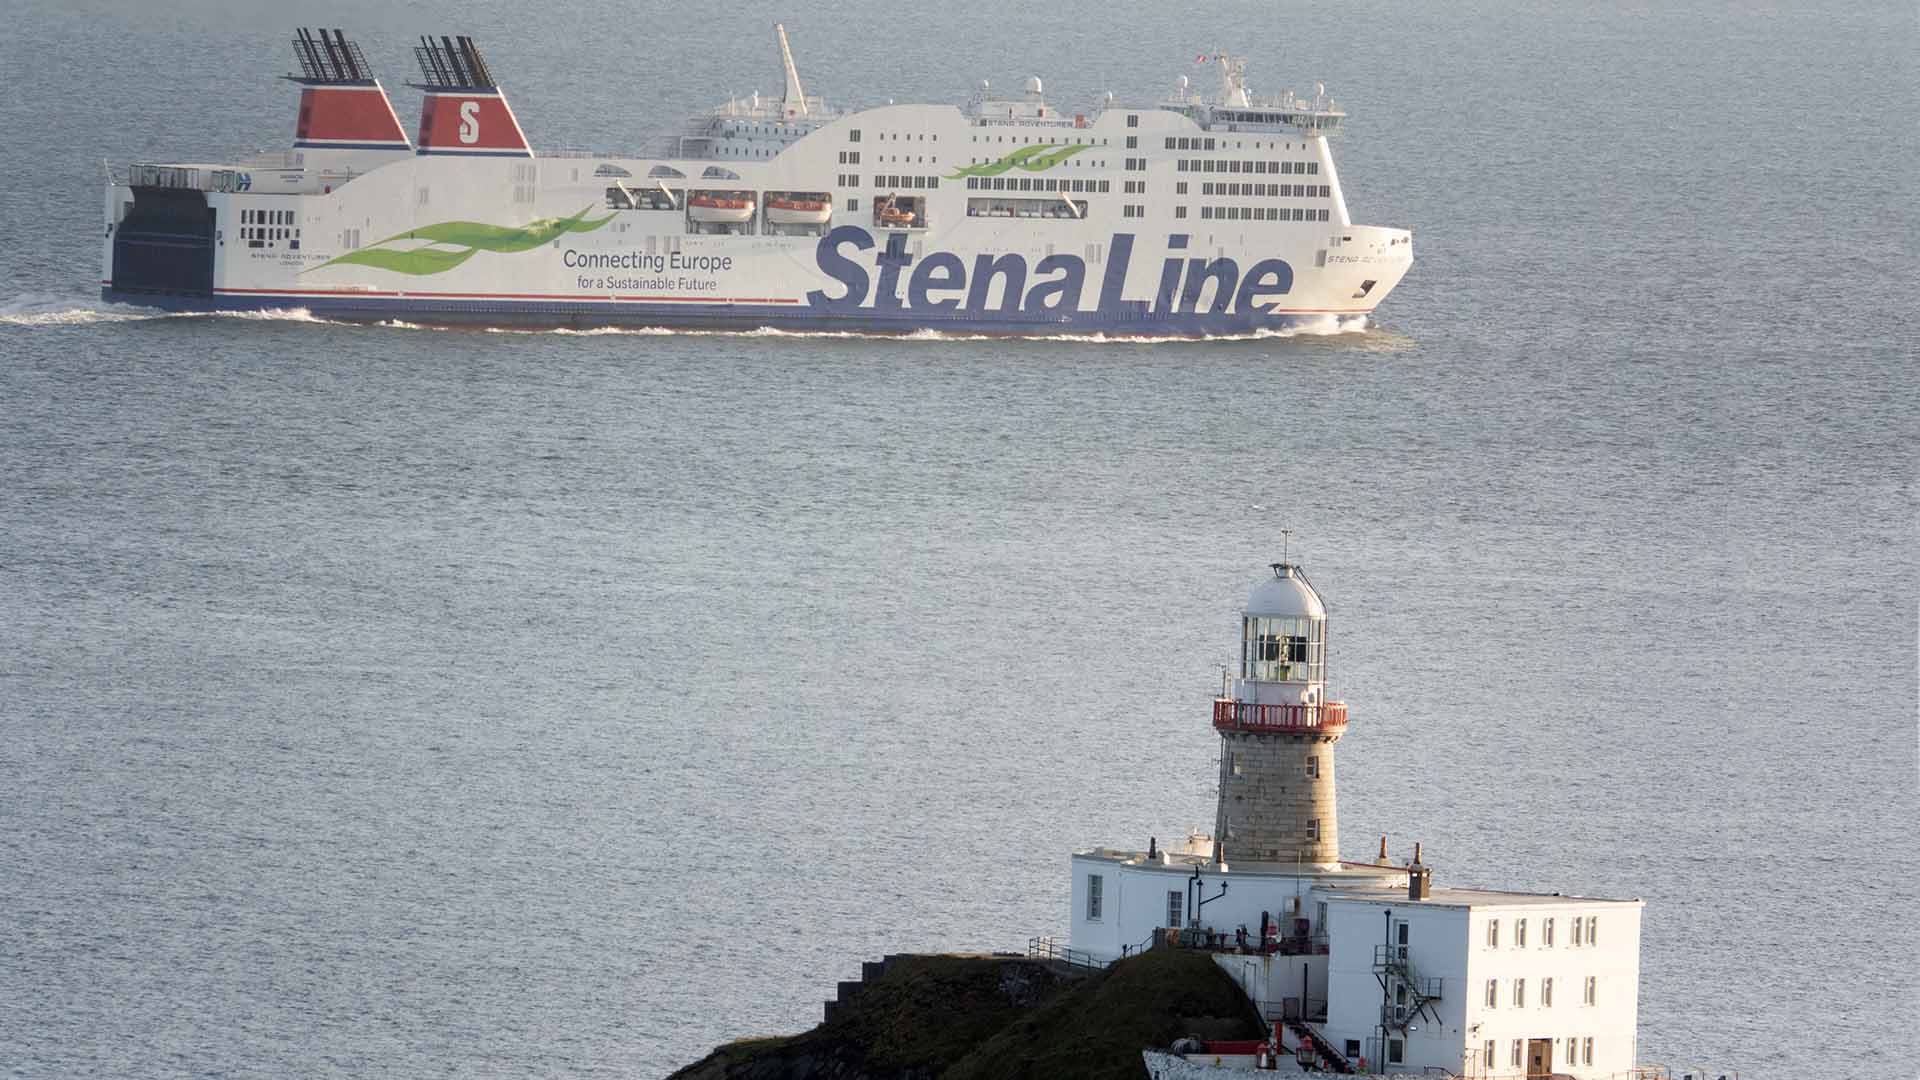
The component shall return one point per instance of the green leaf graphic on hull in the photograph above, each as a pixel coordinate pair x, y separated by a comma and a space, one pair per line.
450, 243
1030, 158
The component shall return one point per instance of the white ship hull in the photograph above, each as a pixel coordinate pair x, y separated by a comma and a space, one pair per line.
503, 237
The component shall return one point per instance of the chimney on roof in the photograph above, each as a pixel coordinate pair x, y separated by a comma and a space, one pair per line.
1419, 878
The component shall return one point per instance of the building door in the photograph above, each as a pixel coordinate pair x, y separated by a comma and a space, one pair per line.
1539, 1057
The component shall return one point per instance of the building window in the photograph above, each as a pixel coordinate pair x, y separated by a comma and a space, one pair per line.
1313, 768
854, 204
1493, 933
1586, 1050
1353, 1048
1320, 915
1520, 933
1093, 883
1396, 1052
1133, 142
1573, 1050
854, 135
1313, 829
1546, 993
1519, 993
1179, 211
1593, 929
1133, 120
1546, 933
1578, 923
1489, 1055
1493, 993
1175, 899
1593, 989
1519, 1048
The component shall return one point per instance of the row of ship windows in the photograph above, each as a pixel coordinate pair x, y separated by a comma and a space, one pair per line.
1051, 140
1282, 191
1284, 168
266, 217
1255, 213
1035, 183
264, 236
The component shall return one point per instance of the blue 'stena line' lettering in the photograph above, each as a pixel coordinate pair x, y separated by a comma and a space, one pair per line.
1000, 283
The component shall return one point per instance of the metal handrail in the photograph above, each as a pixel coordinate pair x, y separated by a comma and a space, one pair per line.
1046, 948
1230, 713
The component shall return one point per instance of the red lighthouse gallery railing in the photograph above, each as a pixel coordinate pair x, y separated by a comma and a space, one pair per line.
1231, 715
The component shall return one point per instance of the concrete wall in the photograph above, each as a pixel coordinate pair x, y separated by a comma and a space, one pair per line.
1436, 947
1611, 1021
1449, 941
1268, 801
1134, 900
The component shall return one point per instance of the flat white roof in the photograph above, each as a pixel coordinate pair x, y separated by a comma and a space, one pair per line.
1454, 896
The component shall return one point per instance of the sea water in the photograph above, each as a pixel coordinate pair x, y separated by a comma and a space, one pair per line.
388, 701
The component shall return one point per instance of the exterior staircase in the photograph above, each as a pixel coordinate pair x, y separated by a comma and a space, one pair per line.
1334, 1059
1392, 967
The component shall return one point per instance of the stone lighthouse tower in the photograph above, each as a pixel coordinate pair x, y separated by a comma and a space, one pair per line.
1277, 731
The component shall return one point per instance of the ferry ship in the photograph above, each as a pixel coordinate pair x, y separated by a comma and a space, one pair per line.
1202, 215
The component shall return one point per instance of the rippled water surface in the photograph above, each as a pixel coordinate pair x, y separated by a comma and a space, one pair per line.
384, 701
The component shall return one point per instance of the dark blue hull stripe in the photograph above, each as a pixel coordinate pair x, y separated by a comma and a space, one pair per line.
1134, 321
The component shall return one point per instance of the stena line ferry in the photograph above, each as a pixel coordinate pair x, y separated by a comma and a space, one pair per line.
1202, 215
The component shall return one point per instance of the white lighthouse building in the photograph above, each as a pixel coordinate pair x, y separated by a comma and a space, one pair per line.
1381, 970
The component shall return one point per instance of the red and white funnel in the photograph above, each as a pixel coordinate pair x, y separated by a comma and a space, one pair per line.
342, 106
464, 112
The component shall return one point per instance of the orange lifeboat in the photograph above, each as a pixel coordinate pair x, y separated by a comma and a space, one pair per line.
720, 208
798, 210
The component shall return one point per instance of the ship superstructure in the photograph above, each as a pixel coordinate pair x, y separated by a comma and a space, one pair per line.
1200, 215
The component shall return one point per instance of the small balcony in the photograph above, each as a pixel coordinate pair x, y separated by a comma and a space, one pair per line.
1231, 715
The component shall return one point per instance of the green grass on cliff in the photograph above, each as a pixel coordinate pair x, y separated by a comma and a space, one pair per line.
993, 1018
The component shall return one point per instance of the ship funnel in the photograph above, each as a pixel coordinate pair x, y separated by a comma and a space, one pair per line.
464, 111
342, 106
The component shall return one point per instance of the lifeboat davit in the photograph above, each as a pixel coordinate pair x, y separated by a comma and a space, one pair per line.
890, 214
712, 209
798, 210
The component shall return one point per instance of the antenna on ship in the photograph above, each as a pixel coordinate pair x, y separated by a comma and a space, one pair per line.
796, 99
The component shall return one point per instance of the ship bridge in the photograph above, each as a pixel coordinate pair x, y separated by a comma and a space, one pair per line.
1237, 109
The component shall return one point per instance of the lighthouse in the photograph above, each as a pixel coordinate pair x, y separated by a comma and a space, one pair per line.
1278, 729
1373, 963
